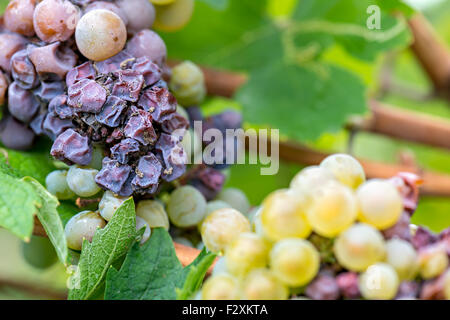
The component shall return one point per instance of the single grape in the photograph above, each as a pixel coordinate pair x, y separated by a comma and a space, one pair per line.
140, 224
10, 43
19, 17
82, 226
55, 20
153, 213
261, 284
359, 247
22, 104
100, 34
82, 181
55, 59
220, 266
188, 84
221, 228
147, 43
56, 183
346, 169
186, 207
221, 287
213, 206
114, 177
402, 256
3, 87
140, 14
332, 210
283, 216
247, 252
311, 178
433, 261
109, 205
72, 147
236, 198
16, 135
295, 262
174, 16
379, 282
39, 252
380, 204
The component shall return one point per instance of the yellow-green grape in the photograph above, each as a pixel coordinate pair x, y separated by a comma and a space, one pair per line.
82, 226
153, 213
359, 247
432, 262
39, 252
295, 262
221, 287
236, 199
380, 203
447, 285
162, 2
261, 284
283, 216
379, 282
220, 266
346, 169
247, 252
402, 256
173, 16
109, 205
311, 178
56, 183
332, 210
186, 207
142, 224
188, 84
81, 180
192, 144
213, 206
221, 228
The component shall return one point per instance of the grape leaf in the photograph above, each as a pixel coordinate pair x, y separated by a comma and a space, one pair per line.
49, 218
107, 246
152, 272
323, 102
216, 4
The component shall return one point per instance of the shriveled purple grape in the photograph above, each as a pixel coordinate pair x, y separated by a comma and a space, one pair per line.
49, 90
140, 14
54, 126
147, 172
174, 122
16, 135
19, 17
113, 175
150, 70
10, 43
147, 43
140, 127
21, 103
401, 229
124, 149
112, 112
37, 123
54, 59
107, 6
159, 102
209, 182
86, 96
115, 63
72, 148
3, 87
128, 85
23, 71
59, 107
348, 284
423, 237
83, 71
173, 157
323, 287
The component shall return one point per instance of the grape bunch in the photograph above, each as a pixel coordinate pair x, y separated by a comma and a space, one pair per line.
331, 235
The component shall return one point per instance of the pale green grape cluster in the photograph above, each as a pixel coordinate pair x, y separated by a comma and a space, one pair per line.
188, 84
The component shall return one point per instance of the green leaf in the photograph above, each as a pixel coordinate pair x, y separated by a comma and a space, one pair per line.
216, 4
19, 202
324, 99
49, 218
152, 272
107, 246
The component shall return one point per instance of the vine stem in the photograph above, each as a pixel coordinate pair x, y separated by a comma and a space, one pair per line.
33, 289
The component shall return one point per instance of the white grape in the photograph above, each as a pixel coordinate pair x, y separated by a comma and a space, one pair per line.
81, 180
346, 169
82, 226
236, 198
379, 282
221, 287
401, 255
187, 207
153, 213
261, 284
56, 183
109, 204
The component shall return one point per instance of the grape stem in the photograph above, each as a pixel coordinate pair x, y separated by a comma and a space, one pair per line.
33, 289
83, 203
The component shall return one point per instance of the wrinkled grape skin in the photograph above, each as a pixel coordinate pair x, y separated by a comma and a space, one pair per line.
21, 103
16, 135
82, 226
10, 43
112, 112
3, 88
140, 14
55, 20
49, 90
148, 172
83, 71
128, 85
54, 59
124, 150
53, 126
173, 157
159, 102
147, 43
19, 17
100, 34
87, 96
113, 176
140, 128
71, 147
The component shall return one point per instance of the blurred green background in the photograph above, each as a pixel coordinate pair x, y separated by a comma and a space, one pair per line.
406, 73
